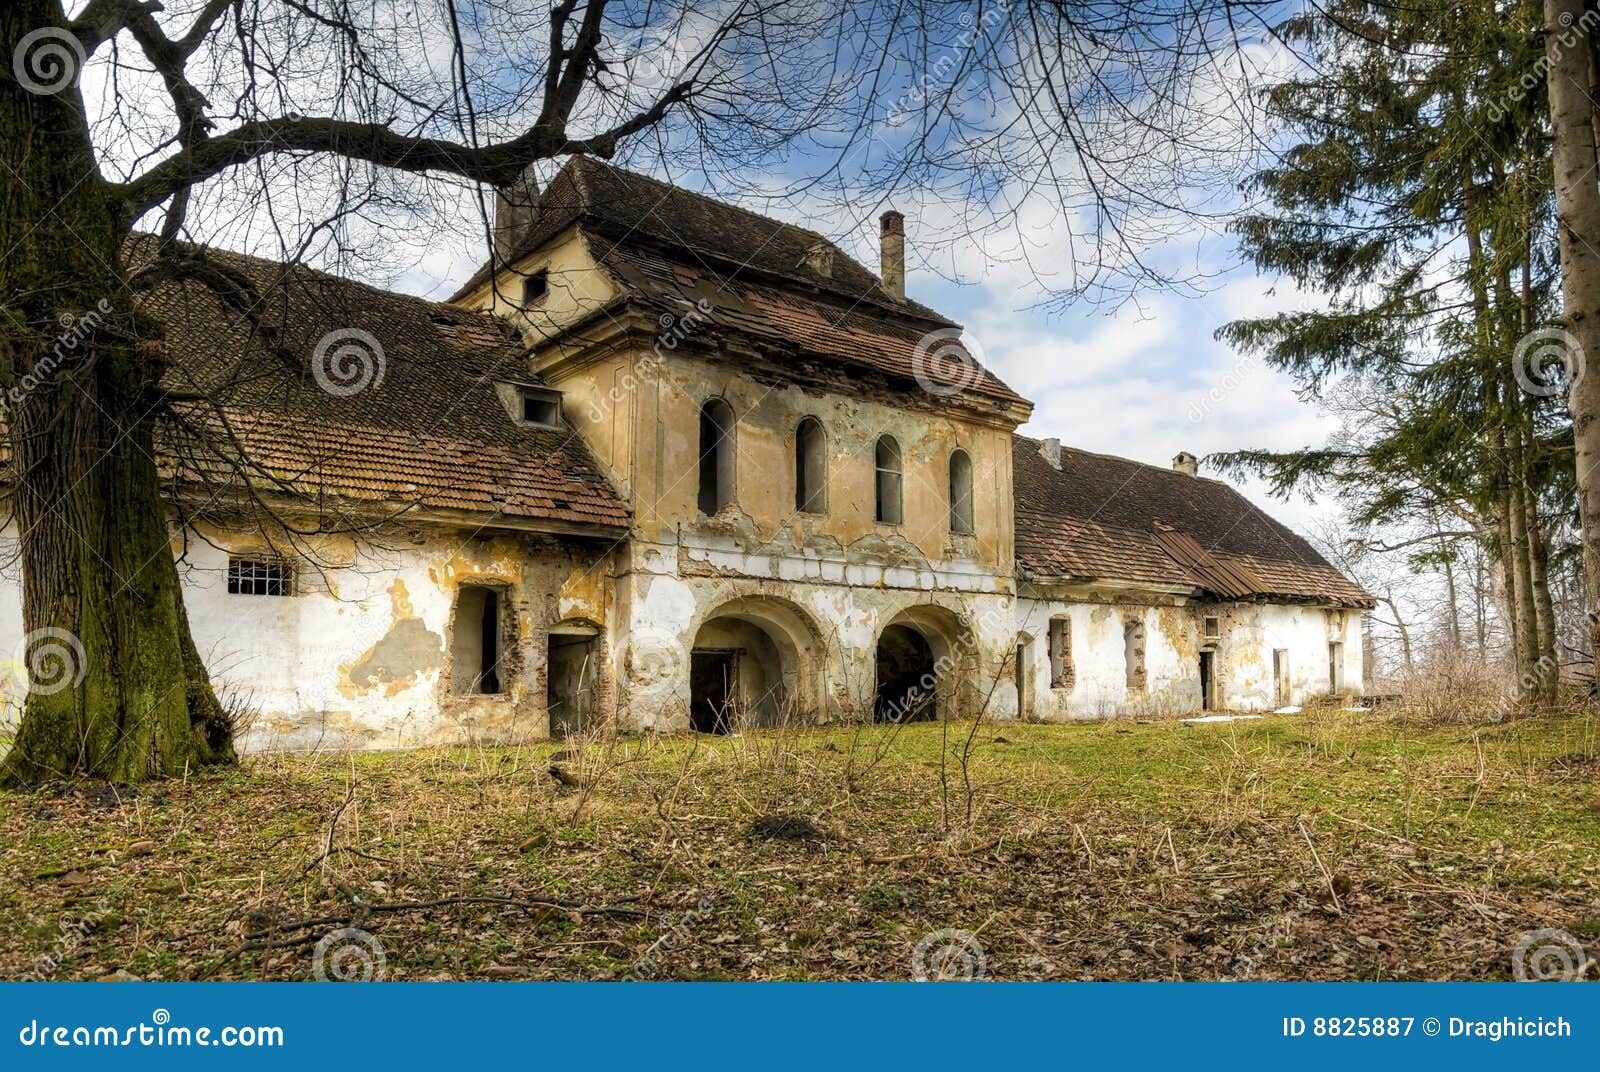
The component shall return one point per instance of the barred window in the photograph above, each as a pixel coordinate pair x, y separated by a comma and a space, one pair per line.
259, 577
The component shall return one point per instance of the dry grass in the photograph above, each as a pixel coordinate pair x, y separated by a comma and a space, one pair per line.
1330, 845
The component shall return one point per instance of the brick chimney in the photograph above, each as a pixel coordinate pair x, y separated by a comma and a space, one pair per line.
1186, 463
516, 207
894, 254
1050, 451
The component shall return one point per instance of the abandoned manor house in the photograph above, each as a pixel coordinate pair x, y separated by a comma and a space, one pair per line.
666, 464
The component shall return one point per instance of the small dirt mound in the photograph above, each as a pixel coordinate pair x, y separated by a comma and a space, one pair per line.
786, 828
99, 794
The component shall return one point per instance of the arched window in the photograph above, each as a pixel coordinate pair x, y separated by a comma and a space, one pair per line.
889, 481
716, 456
961, 492
810, 467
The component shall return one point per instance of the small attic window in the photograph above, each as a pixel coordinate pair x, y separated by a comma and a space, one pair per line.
535, 287
541, 408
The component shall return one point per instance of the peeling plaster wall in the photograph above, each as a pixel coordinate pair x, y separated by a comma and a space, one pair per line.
358, 657
828, 632
1243, 659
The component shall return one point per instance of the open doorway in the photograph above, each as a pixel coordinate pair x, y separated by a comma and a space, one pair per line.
713, 679
1280, 677
570, 673
1208, 681
907, 689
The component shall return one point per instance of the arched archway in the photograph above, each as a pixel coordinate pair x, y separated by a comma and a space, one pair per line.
752, 665
925, 655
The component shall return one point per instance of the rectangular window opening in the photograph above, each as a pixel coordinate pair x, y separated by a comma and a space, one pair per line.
475, 642
1060, 645
259, 577
541, 409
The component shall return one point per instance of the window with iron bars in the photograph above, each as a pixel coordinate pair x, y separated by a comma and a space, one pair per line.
259, 577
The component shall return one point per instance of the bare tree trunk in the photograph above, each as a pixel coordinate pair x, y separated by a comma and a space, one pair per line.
1569, 48
111, 693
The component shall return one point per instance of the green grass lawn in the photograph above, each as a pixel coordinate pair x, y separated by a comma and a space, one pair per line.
1325, 845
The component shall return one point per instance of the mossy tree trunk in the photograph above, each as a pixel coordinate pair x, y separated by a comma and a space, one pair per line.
116, 687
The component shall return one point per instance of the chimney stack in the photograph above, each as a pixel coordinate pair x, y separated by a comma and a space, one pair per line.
894, 254
1050, 451
516, 207
1186, 463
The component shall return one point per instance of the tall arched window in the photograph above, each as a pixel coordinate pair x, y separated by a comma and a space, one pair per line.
716, 456
961, 492
810, 467
889, 481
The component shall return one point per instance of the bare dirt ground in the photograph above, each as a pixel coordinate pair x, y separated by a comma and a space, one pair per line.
1325, 845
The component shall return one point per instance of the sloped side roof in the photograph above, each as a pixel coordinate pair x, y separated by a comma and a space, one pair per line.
1106, 518
412, 417
667, 245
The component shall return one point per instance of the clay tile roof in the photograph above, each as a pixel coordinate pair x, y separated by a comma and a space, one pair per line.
666, 245
425, 428
1106, 518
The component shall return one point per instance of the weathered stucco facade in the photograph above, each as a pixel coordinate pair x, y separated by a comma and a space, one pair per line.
805, 511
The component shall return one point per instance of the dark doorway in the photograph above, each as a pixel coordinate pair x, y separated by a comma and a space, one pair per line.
569, 689
907, 690
712, 679
1208, 681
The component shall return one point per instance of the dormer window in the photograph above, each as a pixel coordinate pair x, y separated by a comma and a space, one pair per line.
535, 287
541, 408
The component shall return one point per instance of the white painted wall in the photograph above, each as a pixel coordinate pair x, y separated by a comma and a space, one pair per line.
357, 657
1250, 634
